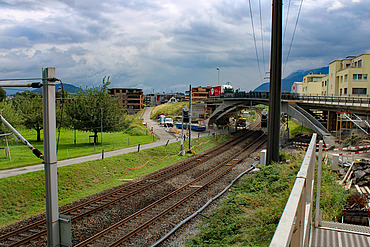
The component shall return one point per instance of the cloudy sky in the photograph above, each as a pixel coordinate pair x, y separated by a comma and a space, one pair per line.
166, 45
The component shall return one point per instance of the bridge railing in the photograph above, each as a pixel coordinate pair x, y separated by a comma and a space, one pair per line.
310, 98
295, 223
348, 100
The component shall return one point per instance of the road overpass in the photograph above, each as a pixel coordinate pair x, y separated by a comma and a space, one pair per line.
319, 113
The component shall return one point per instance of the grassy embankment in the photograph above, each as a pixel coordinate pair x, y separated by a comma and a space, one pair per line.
22, 156
295, 129
249, 216
23, 196
172, 109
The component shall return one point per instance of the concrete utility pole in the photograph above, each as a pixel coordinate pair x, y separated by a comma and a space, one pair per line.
275, 83
50, 157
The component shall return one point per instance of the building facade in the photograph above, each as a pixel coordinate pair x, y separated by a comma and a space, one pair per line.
198, 93
349, 77
297, 88
311, 84
129, 98
161, 98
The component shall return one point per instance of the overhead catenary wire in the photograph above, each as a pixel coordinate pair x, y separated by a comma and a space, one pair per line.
295, 28
254, 38
286, 20
262, 45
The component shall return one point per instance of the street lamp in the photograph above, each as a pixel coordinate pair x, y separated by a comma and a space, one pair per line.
218, 76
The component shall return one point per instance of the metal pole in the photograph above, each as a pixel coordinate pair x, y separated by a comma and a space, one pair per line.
50, 157
182, 134
101, 126
318, 190
275, 83
190, 102
218, 77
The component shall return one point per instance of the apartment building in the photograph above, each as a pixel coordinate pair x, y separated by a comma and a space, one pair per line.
311, 84
198, 93
129, 98
349, 77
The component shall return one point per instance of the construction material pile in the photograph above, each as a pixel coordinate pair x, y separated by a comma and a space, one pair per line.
361, 172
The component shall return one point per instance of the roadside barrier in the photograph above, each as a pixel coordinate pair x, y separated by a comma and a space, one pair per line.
352, 148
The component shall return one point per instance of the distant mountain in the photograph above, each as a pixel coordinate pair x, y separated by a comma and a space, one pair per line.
66, 87
287, 82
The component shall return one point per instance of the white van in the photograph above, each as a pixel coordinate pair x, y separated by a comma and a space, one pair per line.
168, 122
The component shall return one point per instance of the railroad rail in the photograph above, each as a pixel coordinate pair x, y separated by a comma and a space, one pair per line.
37, 229
121, 231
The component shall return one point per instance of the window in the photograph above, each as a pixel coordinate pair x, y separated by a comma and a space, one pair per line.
360, 77
322, 84
340, 92
360, 63
359, 90
346, 77
345, 91
355, 64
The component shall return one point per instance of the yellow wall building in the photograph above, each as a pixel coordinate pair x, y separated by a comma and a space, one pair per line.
347, 77
312, 84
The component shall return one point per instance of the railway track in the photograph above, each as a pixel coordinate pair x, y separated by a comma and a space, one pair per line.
31, 232
126, 228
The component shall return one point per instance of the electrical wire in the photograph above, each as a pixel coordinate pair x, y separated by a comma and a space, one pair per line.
61, 114
291, 42
263, 49
254, 38
286, 20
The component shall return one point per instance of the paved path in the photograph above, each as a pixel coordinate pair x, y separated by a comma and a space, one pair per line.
159, 131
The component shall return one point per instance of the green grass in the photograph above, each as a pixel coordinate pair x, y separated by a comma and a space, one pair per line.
23, 196
295, 129
250, 216
22, 156
172, 109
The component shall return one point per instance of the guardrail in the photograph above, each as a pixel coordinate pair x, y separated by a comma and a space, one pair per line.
295, 223
309, 98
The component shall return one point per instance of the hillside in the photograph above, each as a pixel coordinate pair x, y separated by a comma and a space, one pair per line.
67, 87
288, 81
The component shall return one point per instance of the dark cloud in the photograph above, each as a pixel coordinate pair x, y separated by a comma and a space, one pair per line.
167, 45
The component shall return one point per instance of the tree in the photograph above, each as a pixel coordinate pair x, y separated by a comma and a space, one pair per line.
93, 109
29, 107
10, 114
2, 94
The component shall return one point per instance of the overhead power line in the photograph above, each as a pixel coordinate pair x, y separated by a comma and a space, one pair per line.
263, 49
295, 28
254, 38
286, 20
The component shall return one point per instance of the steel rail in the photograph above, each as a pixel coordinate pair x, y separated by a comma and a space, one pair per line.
40, 222
155, 182
147, 223
143, 210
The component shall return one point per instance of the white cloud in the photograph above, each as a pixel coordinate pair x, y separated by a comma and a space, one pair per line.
169, 44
